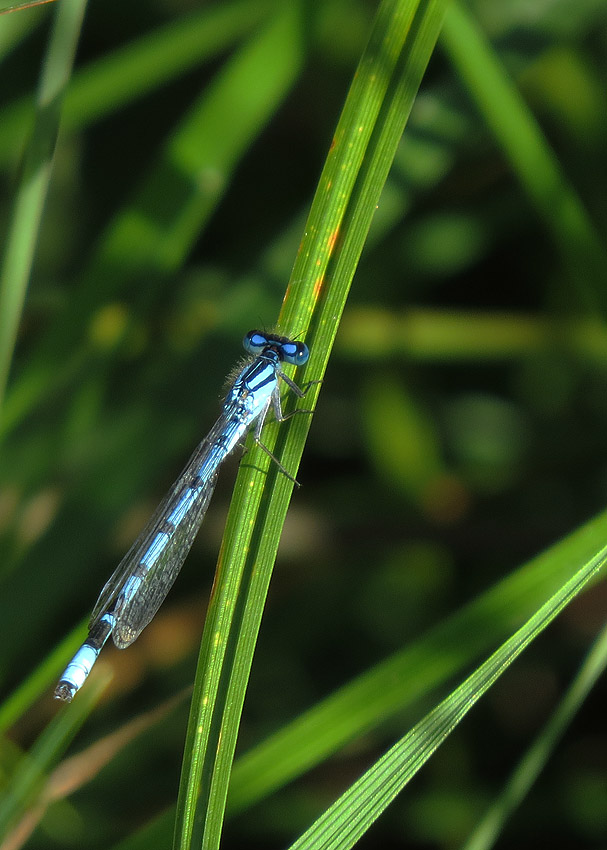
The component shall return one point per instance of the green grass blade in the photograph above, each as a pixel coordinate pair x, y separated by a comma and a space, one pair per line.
534, 761
33, 187
365, 141
349, 817
530, 155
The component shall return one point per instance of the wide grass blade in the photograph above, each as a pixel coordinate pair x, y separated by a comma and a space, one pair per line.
369, 130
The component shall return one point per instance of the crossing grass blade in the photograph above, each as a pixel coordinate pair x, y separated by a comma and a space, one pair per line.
347, 820
365, 141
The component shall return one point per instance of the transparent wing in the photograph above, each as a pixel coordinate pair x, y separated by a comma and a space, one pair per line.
135, 610
143, 578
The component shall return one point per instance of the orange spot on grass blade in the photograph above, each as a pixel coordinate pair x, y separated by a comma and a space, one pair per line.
332, 240
318, 285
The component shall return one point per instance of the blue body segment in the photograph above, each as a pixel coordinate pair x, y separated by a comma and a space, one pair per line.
141, 581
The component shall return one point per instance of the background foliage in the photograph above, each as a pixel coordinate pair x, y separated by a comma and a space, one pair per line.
460, 428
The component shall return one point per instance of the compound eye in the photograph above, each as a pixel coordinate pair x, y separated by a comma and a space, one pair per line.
296, 353
255, 342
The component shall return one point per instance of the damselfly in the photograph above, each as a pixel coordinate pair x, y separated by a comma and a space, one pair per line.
140, 583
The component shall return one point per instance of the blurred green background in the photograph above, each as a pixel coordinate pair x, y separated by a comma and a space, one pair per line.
460, 428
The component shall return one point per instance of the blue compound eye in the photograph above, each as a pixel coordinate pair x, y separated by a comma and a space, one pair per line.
255, 342
296, 353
